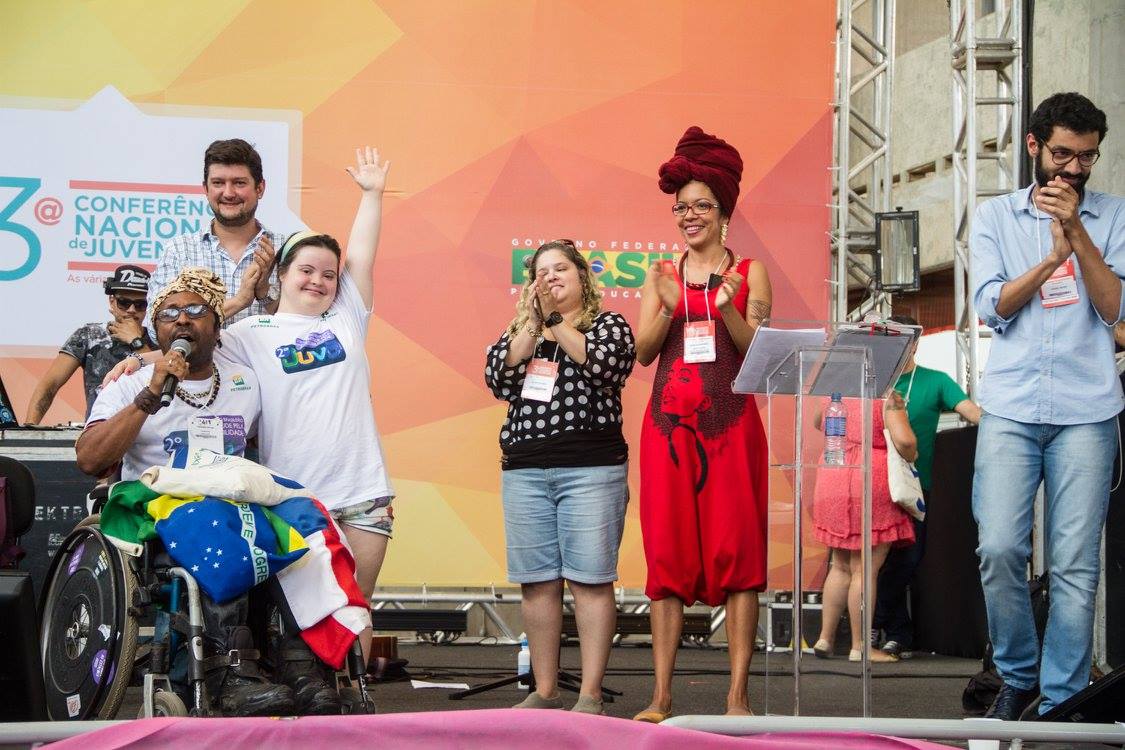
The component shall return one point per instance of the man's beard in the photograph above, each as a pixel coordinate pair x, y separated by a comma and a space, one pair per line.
1042, 178
240, 220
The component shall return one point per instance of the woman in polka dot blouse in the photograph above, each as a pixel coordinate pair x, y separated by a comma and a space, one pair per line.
561, 365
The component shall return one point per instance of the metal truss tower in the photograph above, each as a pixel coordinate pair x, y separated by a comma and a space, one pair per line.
862, 137
987, 143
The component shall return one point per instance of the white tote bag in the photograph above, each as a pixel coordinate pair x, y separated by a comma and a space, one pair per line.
902, 477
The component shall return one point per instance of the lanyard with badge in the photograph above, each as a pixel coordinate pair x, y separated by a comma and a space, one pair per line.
1061, 287
539, 380
699, 336
205, 430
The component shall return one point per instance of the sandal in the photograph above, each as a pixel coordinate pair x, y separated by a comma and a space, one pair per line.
652, 716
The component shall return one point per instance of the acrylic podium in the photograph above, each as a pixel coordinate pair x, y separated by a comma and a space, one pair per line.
797, 366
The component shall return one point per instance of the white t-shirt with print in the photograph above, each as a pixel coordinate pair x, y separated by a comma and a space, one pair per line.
163, 439
317, 423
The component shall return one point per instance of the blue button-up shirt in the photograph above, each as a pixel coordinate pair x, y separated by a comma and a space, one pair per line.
1046, 365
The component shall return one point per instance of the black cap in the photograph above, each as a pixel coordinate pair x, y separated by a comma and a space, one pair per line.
127, 279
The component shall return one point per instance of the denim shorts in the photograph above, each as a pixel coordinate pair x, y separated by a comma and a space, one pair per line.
376, 516
564, 523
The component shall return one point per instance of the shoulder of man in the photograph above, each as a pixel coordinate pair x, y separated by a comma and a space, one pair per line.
234, 376
88, 335
117, 395
1107, 203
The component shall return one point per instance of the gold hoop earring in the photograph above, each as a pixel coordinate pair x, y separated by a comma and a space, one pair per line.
723, 233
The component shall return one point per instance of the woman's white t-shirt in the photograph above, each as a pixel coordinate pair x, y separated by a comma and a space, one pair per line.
317, 425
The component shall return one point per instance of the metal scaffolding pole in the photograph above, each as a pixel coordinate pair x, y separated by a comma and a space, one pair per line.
987, 144
862, 157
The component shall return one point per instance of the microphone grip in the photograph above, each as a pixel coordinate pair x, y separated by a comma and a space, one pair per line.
168, 391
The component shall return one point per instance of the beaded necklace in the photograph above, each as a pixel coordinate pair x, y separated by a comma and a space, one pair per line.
189, 398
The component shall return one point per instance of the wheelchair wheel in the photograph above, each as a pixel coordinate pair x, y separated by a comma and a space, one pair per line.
88, 635
165, 703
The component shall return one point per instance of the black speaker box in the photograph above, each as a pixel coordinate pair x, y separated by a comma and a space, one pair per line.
21, 675
1102, 702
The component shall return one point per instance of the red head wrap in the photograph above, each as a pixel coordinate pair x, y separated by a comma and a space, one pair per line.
712, 161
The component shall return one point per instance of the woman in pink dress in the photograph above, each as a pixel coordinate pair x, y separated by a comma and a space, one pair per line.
838, 519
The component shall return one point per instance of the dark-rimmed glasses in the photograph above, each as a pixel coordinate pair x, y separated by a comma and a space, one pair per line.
172, 314
701, 207
1063, 156
129, 303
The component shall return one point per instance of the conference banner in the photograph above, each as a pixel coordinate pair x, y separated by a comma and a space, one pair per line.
507, 124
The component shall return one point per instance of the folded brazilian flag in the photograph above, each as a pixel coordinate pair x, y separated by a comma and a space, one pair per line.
228, 547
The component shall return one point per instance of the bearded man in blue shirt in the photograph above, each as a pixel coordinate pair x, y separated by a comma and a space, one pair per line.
1047, 269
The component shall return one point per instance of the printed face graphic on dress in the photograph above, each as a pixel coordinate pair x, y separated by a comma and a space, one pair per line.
320, 349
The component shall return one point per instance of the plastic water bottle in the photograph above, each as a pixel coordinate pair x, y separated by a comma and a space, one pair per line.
523, 662
835, 425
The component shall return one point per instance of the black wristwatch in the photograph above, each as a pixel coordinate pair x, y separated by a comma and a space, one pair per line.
553, 319
137, 344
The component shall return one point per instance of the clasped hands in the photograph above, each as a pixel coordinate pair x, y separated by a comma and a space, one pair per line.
1059, 200
669, 290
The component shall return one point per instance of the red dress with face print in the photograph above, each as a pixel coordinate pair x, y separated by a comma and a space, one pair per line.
703, 468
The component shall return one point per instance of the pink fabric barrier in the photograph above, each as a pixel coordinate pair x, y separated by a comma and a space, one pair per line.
452, 729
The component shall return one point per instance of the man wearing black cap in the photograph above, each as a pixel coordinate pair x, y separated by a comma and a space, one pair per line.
97, 347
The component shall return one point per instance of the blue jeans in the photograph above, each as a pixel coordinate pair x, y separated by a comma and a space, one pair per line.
564, 523
1074, 462
892, 614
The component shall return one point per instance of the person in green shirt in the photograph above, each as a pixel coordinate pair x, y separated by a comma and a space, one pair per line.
927, 394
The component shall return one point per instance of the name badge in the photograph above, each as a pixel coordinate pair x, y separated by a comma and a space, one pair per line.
539, 382
699, 341
1061, 288
204, 434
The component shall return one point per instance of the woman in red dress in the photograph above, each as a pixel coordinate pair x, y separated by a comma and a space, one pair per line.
838, 519
703, 449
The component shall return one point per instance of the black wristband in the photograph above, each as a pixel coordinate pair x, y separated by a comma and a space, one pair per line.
147, 401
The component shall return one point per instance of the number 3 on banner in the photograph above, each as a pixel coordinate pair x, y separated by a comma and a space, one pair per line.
27, 187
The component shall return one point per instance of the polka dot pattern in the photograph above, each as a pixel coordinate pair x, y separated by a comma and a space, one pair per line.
586, 397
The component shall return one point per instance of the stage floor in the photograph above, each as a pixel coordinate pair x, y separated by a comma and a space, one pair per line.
926, 686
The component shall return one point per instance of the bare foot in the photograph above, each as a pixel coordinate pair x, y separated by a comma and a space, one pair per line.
739, 710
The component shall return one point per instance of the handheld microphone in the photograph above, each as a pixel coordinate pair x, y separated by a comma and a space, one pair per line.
168, 392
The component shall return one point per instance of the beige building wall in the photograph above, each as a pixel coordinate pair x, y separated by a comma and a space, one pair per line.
1078, 45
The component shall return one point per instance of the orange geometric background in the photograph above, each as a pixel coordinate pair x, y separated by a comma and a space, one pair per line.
505, 122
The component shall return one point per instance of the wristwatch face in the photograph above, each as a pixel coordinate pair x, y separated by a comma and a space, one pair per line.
553, 319
137, 343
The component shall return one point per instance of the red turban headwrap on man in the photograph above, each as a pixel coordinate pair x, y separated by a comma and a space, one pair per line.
710, 160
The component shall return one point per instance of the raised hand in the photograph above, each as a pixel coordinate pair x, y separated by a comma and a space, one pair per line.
732, 282
250, 278
667, 285
263, 259
367, 172
126, 331
544, 298
1060, 245
1058, 199
170, 363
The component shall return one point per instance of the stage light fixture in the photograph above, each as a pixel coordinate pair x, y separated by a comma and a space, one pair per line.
897, 268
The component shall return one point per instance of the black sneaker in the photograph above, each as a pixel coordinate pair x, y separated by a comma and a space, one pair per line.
1010, 703
897, 649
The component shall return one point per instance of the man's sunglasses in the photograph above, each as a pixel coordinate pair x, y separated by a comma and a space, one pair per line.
128, 303
172, 314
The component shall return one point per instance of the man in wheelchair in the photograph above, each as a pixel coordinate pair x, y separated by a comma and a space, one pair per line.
214, 407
